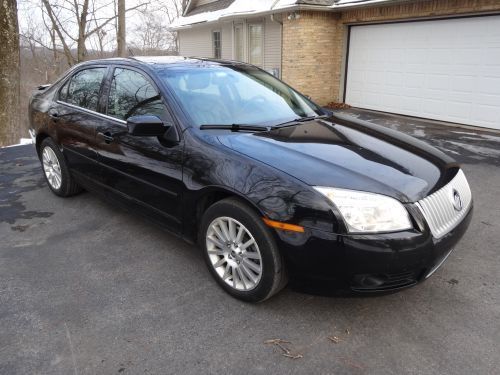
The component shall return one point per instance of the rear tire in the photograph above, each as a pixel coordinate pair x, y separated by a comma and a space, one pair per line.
56, 170
241, 252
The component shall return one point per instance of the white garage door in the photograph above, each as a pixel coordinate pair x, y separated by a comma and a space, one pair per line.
444, 69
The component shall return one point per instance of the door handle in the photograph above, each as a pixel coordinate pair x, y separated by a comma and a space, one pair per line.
108, 138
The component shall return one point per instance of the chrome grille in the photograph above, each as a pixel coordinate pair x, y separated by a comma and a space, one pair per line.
439, 208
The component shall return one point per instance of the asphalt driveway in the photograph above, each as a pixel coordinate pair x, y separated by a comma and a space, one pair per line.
87, 288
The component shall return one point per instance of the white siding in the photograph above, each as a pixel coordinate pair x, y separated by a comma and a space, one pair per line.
198, 41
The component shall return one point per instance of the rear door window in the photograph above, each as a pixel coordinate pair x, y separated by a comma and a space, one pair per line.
84, 88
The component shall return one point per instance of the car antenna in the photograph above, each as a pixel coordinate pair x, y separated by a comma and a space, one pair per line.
130, 52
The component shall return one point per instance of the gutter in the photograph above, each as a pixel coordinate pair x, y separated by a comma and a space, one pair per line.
293, 7
232, 16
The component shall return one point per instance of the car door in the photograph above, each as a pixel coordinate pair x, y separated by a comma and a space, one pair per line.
75, 116
147, 170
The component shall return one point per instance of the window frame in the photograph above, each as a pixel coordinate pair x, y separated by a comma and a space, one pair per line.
241, 26
217, 31
70, 76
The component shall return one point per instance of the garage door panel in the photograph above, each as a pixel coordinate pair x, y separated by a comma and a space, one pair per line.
444, 69
488, 115
464, 84
489, 85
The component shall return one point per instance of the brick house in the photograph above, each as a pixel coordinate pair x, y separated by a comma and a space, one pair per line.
437, 59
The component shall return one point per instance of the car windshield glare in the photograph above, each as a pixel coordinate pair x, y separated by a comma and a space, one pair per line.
235, 94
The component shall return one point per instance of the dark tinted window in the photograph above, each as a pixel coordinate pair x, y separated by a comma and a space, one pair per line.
83, 88
64, 91
131, 94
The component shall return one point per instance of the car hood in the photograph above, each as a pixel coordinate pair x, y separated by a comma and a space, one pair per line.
348, 153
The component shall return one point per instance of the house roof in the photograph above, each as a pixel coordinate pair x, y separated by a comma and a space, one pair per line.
209, 7
226, 9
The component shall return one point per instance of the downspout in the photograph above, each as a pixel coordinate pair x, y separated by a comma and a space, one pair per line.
281, 28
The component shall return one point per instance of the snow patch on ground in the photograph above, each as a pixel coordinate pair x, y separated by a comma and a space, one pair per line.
22, 141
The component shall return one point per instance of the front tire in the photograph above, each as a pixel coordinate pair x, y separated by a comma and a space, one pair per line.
56, 170
241, 252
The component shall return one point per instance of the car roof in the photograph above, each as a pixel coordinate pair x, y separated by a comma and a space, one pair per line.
162, 61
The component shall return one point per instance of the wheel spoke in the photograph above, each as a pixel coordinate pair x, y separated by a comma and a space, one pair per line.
250, 242
220, 262
235, 277
241, 277
219, 233
217, 243
58, 180
223, 227
239, 236
216, 252
252, 266
247, 273
232, 230
251, 255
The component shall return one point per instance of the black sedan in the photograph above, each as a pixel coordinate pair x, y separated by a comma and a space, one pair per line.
269, 184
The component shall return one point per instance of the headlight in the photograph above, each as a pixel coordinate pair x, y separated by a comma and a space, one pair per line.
368, 212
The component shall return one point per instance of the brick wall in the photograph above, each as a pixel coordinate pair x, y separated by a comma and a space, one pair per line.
309, 60
313, 44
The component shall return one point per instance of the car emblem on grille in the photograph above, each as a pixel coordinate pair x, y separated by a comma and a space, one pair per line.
457, 201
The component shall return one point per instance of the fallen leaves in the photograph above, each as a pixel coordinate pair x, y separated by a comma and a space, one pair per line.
337, 105
286, 351
334, 339
337, 339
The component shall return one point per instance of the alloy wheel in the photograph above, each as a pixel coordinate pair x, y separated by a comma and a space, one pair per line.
51, 168
234, 253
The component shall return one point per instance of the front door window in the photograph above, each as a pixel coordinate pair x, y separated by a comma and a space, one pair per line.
131, 94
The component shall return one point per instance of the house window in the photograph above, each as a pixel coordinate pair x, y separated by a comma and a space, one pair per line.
217, 45
239, 46
255, 44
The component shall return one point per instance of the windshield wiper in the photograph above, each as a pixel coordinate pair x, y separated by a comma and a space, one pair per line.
299, 119
236, 127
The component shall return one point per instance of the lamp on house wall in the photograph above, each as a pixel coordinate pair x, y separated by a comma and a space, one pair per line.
293, 16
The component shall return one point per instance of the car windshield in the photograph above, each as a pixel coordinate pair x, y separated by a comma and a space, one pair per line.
236, 94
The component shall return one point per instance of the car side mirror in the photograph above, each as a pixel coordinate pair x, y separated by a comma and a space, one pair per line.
146, 126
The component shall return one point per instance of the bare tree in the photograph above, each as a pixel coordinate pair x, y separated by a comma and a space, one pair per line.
121, 33
9, 73
172, 10
75, 22
151, 35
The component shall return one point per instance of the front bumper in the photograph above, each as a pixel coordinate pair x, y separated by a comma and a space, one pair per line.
366, 263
